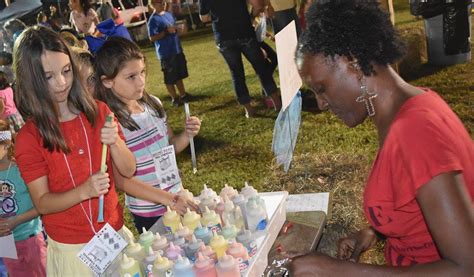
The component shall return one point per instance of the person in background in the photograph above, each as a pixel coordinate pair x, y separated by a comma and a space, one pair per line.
18, 216
235, 35
281, 13
59, 150
120, 71
56, 20
6, 61
85, 64
42, 20
83, 17
73, 39
162, 32
419, 196
10, 112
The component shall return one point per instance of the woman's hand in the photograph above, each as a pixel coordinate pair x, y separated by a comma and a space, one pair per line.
180, 205
351, 247
313, 265
98, 184
193, 125
109, 133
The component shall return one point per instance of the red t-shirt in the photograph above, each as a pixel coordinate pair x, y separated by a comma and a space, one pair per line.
34, 161
426, 139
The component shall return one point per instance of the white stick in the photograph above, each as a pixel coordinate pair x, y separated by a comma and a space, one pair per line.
191, 141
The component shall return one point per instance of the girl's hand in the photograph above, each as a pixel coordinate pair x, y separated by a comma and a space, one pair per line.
98, 184
6, 227
180, 205
193, 125
351, 247
109, 133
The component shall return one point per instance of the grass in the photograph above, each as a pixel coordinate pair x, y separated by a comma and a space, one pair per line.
328, 157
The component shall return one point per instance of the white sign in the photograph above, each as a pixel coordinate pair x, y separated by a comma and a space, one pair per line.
102, 250
290, 81
167, 169
7, 247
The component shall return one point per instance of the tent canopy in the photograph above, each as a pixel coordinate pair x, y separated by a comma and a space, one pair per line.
19, 8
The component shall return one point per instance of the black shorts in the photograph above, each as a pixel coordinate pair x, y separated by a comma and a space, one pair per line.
174, 68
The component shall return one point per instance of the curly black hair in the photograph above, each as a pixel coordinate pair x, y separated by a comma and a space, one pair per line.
356, 29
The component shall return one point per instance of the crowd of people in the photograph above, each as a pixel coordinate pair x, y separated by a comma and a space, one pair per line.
56, 102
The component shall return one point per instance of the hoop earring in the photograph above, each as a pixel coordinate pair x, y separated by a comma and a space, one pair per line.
366, 97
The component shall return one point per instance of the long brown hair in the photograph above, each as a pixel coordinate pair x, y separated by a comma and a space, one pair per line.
33, 98
109, 60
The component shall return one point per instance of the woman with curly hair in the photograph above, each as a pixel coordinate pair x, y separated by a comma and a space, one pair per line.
419, 193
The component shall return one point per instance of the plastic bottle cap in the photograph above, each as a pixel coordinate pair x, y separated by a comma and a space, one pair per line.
127, 262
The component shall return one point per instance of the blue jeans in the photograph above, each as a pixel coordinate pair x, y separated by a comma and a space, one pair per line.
232, 51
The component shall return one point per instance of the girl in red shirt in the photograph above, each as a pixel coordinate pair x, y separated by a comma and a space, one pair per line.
58, 151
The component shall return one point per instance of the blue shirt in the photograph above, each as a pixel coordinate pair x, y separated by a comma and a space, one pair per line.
15, 200
170, 44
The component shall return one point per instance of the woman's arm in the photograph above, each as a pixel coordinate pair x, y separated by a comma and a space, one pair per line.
47, 202
181, 141
449, 215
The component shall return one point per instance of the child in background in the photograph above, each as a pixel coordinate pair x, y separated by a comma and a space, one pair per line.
10, 111
120, 67
59, 150
162, 31
42, 20
18, 215
85, 63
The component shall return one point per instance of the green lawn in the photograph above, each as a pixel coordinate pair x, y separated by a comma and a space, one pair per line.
329, 156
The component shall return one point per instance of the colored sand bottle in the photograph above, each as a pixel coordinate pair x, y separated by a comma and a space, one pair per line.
192, 247
146, 239
191, 219
179, 241
186, 194
135, 251
238, 218
211, 220
241, 202
228, 191
208, 252
203, 233
248, 191
229, 232
130, 266
207, 198
162, 267
228, 213
227, 266
160, 243
245, 237
183, 268
171, 220
147, 263
257, 218
184, 232
219, 244
173, 252
240, 254
204, 267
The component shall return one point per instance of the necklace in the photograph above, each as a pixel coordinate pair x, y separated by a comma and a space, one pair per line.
89, 217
